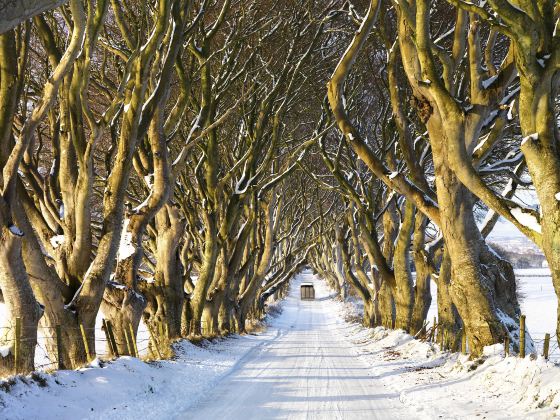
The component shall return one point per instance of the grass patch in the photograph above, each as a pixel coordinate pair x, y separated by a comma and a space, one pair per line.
7, 384
39, 379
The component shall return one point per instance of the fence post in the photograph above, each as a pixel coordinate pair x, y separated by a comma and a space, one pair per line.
109, 326
154, 340
17, 345
107, 337
506, 345
522, 336
59, 349
110, 338
86, 346
133, 340
433, 332
546, 345
464, 342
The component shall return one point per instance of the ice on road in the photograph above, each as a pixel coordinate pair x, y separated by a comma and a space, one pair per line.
310, 370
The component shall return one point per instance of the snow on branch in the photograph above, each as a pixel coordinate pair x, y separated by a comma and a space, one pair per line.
526, 219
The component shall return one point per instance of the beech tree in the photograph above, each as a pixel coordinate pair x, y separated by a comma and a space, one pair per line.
19, 273
485, 311
177, 162
530, 28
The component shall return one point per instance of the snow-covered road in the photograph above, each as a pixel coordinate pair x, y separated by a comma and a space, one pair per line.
311, 363
310, 370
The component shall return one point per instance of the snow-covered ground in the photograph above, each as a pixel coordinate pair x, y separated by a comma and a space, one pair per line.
128, 388
538, 300
309, 364
443, 385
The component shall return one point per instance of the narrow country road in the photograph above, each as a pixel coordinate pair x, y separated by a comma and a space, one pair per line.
309, 371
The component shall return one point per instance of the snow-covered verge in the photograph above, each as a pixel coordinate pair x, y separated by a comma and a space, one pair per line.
446, 385
127, 387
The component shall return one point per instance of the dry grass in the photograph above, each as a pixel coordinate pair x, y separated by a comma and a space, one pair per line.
274, 310
353, 318
39, 379
7, 384
255, 326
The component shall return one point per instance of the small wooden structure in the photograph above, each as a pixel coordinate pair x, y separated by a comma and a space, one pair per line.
307, 291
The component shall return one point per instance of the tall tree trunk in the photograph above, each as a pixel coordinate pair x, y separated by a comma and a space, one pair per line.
422, 294
206, 275
387, 305
14, 281
165, 295
53, 294
483, 297
249, 295
359, 281
338, 264
403, 289
89, 297
449, 321
20, 303
539, 125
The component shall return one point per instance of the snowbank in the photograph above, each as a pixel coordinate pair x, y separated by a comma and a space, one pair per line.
449, 385
126, 387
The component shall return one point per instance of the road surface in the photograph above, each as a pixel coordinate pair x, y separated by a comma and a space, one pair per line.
310, 370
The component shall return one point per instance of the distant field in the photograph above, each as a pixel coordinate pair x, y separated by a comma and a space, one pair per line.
539, 304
